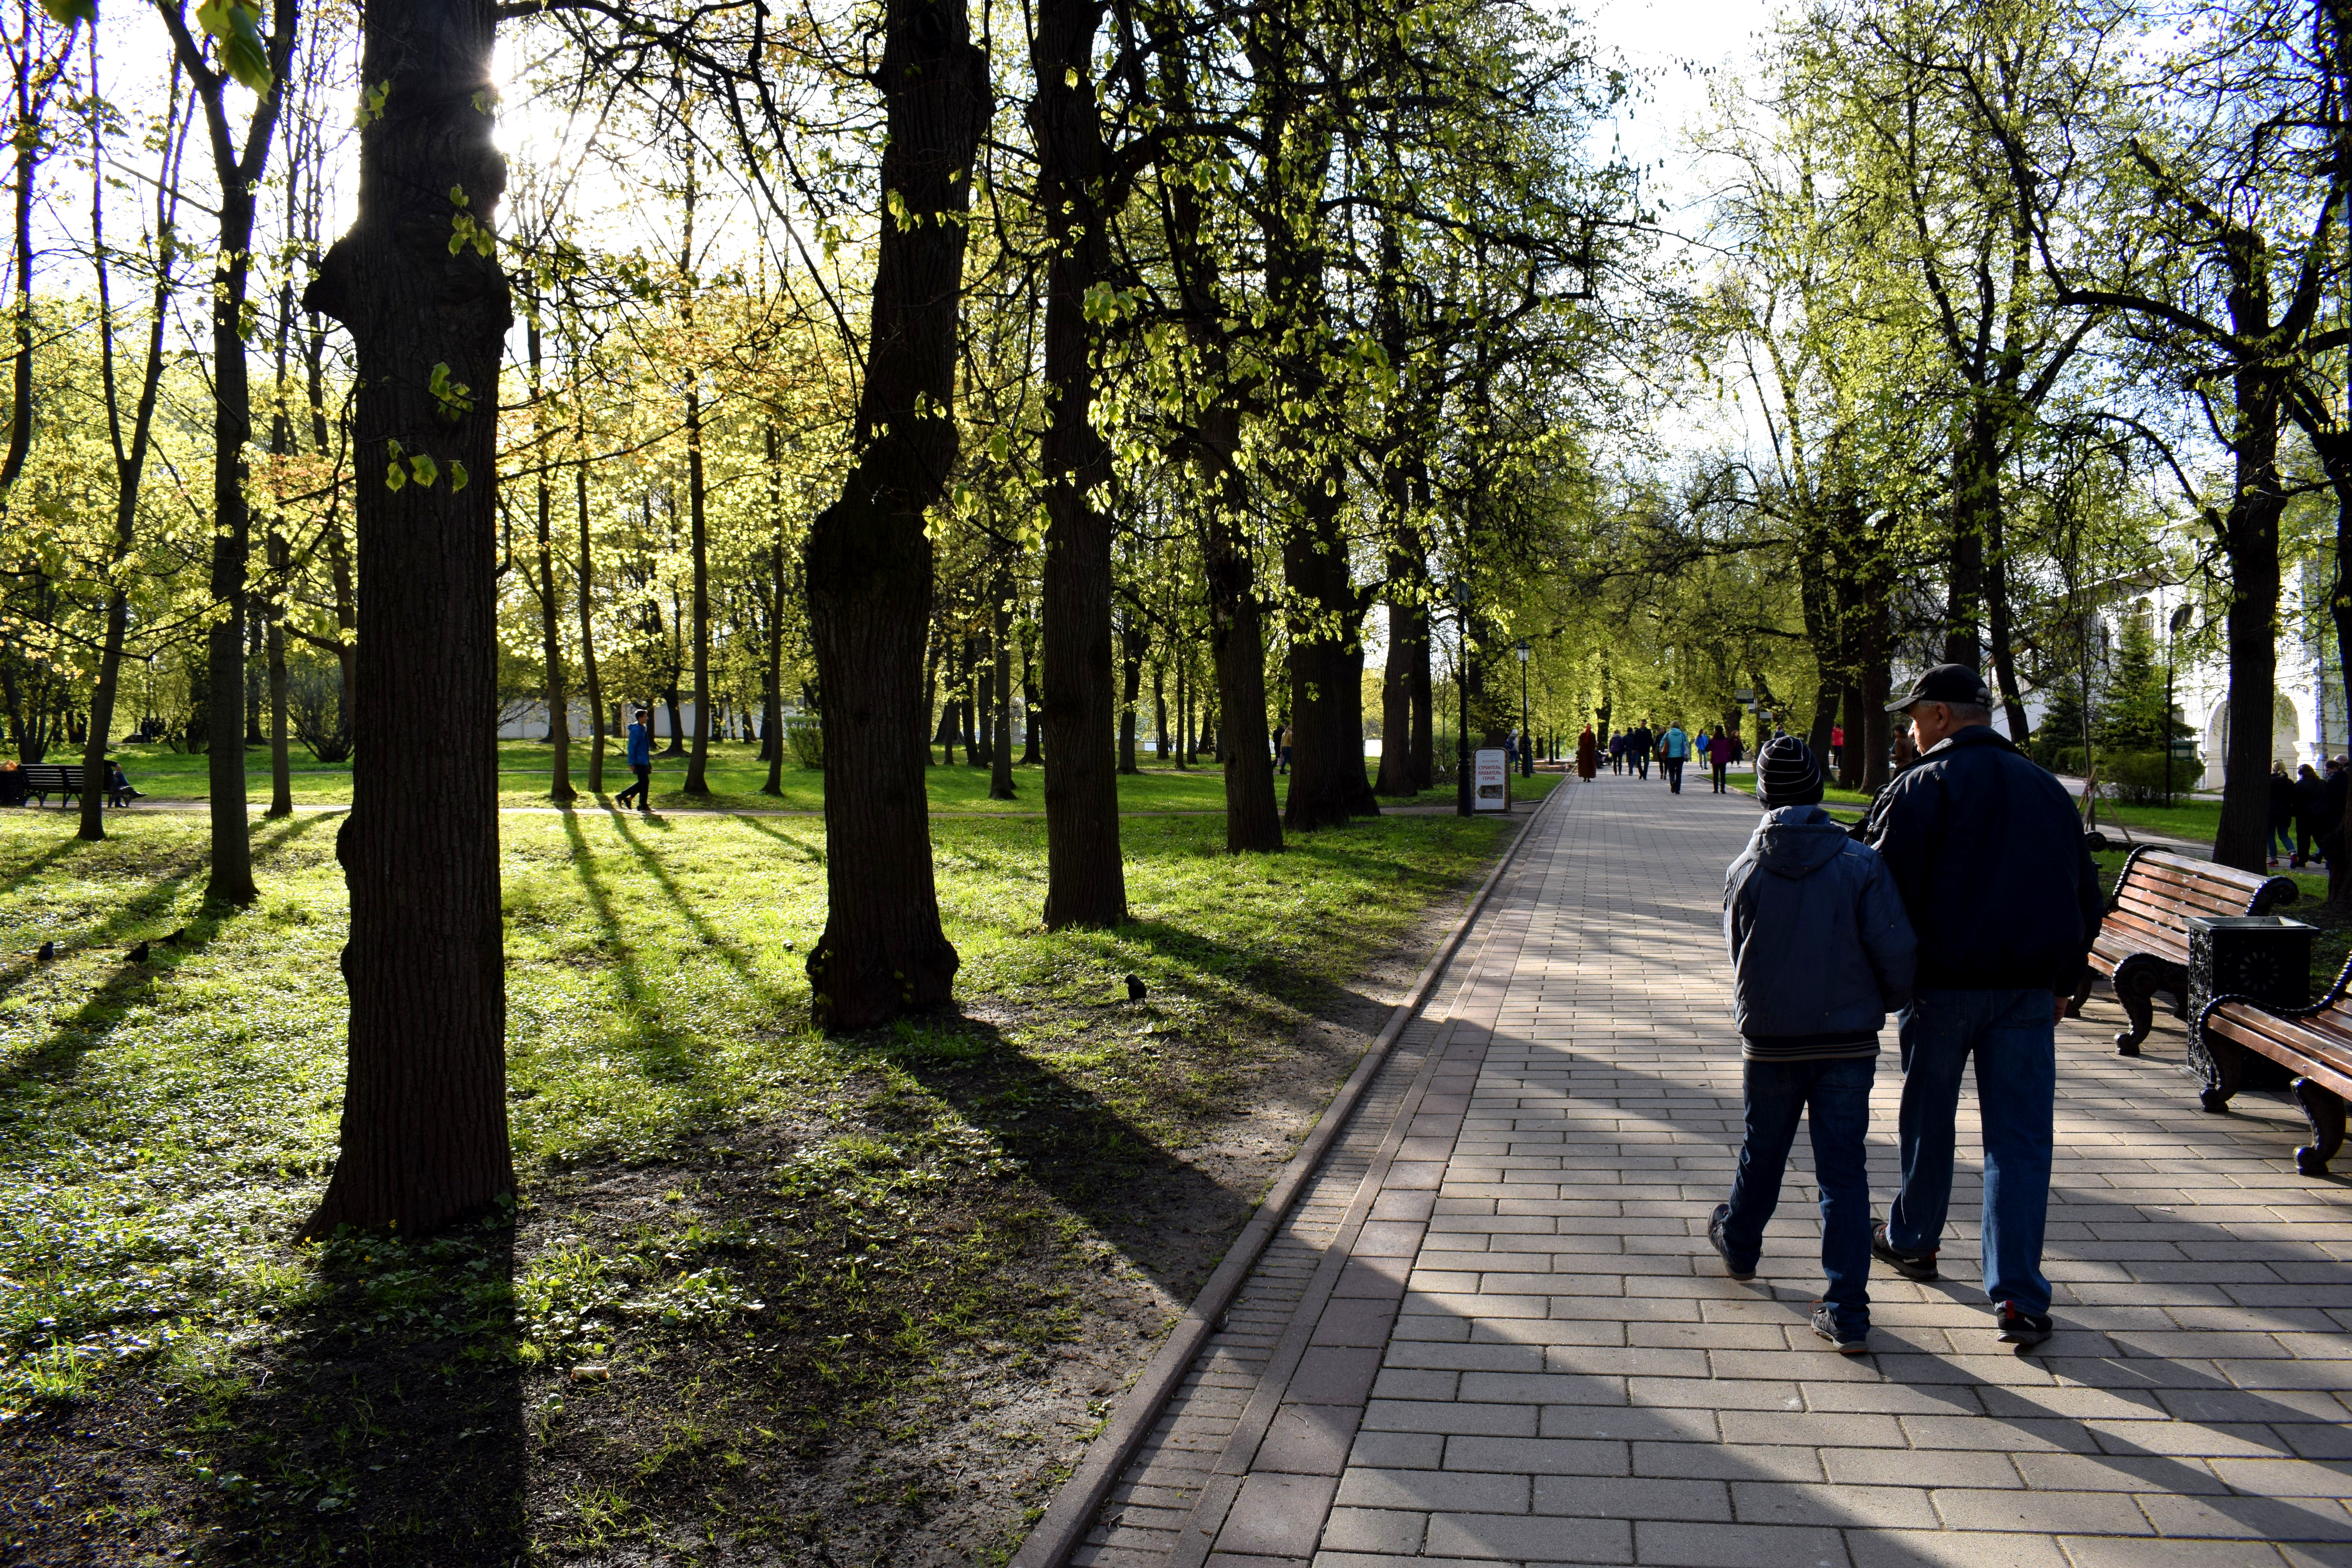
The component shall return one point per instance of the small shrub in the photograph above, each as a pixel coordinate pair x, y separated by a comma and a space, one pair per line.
2136, 778
807, 738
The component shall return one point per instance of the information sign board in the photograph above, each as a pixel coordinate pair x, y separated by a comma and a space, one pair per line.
1490, 780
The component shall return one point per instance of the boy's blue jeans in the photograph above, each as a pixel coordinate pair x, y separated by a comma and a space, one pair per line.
2014, 1036
1834, 1099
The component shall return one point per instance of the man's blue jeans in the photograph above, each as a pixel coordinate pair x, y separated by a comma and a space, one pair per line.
2014, 1036
1834, 1098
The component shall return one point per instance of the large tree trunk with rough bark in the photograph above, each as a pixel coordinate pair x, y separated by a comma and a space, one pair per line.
1086, 883
1327, 782
231, 881
2242, 838
869, 562
1407, 666
425, 1116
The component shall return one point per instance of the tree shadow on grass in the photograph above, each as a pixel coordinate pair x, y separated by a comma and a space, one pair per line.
660, 1053
1096, 1161
386, 1425
90, 1023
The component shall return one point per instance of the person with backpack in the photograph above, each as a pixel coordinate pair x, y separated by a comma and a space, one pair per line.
1674, 751
1820, 952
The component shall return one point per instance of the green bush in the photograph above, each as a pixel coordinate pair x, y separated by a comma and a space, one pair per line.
806, 736
2138, 777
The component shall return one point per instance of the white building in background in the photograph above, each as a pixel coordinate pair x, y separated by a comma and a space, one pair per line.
2310, 721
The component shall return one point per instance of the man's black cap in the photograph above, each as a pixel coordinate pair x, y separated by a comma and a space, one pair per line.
1945, 683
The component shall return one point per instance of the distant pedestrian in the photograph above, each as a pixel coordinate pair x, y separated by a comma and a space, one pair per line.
2281, 812
641, 762
1906, 752
1617, 752
1718, 756
1588, 754
1282, 747
1820, 952
1637, 748
2310, 812
1674, 751
2005, 900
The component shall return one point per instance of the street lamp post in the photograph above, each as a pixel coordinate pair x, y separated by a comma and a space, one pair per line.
1526, 751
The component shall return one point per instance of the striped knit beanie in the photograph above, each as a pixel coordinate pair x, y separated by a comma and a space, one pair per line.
1786, 774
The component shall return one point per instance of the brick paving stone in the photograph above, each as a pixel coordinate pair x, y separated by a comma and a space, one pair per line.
1567, 1376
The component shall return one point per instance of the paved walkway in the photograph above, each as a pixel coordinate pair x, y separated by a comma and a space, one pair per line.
1501, 1336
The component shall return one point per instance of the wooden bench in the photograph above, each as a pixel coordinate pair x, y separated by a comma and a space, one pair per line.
2315, 1043
2142, 942
42, 780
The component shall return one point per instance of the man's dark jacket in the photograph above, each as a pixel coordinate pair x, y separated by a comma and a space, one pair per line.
1989, 855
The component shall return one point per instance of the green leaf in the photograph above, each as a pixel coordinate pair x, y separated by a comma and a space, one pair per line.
239, 28
426, 469
457, 476
70, 12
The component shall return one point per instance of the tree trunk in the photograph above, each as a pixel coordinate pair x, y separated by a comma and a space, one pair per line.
1030, 704
1000, 756
1850, 761
1965, 565
1404, 712
2242, 838
1825, 718
1132, 642
697, 778
588, 630
231, 879
551, 624
1328, 785
1160, 708
1183, 707
772, 717
424, 1119
1998, 630
869, 555
129, 452
282, 767
1085, 883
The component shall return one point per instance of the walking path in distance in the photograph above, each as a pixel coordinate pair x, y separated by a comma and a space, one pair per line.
1530, 1355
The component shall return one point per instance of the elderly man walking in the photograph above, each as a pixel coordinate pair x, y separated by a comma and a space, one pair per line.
1985, 848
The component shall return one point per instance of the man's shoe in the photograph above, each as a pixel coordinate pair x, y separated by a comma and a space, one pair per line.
1846, 1341
2018, 1326
1722, 1249
1920, 1265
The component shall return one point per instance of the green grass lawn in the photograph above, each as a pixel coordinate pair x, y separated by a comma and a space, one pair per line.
737, 777
845, 1295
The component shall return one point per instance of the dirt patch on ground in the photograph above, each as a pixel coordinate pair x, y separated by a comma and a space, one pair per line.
879, 1331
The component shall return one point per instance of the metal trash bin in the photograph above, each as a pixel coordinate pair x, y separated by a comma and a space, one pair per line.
2266, 957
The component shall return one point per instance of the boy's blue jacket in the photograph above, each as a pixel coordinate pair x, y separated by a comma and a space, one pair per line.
1820, 949
641, 746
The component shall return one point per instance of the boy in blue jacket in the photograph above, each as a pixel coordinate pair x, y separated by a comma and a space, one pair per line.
1820, 952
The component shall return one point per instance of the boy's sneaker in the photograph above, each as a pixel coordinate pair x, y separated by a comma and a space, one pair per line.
1723, 1250
1847, 1341
1910, 1264
2018, 1326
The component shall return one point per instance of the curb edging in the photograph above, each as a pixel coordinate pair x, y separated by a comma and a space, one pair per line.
1067, 1518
